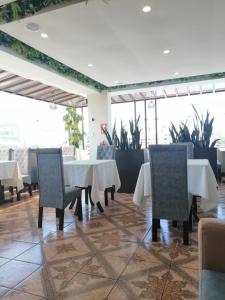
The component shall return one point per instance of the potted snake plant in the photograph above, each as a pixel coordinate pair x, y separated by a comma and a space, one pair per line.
200, 136
129, 155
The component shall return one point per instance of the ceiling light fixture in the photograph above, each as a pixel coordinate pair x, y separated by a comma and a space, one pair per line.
44, 35
167, 51
90, 65
146, 9
176, 73
32, 27
118, 82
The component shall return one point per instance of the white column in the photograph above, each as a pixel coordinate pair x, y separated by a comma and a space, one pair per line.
99, 112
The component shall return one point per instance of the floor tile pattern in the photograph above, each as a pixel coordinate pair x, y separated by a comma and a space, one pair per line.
106, 256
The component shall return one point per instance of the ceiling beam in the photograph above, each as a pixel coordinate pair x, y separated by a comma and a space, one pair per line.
122, 98
37, 91
15, 84
66, 99
53, 94
28, 87
11, 77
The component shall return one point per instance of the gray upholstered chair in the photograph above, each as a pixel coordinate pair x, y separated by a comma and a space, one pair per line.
32, 166
21, 156
107, 153
4, 153
170, 197
211, 239
52, 191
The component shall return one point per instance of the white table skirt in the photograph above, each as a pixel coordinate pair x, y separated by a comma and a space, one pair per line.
68, 158
10, 174
100, 174
201, 182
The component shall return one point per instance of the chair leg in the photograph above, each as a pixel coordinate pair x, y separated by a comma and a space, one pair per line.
89, 192
186, 232
18, 196
100, 207
57, 213
195, 209
190, 220
40, 217
11, 190
174, 223
61, 219
86, 196
30, 190
72, 204
113, 192
106, 197
154, 229
78, 210
2, 194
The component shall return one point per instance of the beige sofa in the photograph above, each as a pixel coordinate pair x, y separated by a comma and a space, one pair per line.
212, 259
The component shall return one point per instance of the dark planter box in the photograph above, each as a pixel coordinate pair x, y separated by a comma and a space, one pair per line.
210, 154
129, 163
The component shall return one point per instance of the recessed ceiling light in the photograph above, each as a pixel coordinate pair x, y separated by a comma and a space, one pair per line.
176, 73
167, 51
44, 35
146, 9
90, 65
32, 27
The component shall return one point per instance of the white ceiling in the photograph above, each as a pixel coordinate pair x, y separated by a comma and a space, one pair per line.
126, 45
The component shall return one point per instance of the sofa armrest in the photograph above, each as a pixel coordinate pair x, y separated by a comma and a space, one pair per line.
211, 237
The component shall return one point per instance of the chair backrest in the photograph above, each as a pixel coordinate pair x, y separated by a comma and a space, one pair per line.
106, 152
50, 177
4, 153
68, 150
168, 165
32, 165
21, 156
190, 149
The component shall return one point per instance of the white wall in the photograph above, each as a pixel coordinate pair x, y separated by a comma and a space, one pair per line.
99, 112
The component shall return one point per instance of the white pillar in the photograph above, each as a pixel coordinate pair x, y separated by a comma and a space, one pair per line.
99, 112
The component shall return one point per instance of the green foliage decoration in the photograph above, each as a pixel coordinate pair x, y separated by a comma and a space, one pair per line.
122, 142
200, 135
34, 55
23, 8
72, 120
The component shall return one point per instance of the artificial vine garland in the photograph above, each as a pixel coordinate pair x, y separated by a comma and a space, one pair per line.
23, 8
39, 57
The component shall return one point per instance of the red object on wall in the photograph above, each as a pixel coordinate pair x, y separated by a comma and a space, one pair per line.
103, 126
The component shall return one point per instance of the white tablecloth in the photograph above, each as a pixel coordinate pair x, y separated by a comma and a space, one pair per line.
100, 174
10, 174
68, 158
201, 182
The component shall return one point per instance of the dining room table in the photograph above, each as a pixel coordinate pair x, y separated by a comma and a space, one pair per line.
201, 183
10, 176
99, 174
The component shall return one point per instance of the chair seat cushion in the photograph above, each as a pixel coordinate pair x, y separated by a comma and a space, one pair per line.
212, 285
26, 179
70, 194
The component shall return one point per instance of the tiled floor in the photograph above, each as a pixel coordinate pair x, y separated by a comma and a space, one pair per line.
107, 256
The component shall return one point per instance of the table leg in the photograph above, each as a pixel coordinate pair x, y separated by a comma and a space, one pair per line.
195, 209
2, 196
100, 207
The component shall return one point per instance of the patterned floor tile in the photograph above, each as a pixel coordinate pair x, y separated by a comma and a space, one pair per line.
14, 272
86, 287
11, 249
105, 266
181, 284
33, 255
17, 295
67, 248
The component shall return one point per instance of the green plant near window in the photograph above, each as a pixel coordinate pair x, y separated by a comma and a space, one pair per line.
200, 135
72, 120
122, 142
